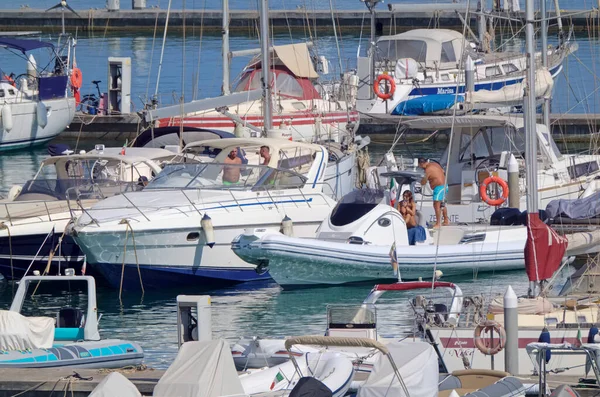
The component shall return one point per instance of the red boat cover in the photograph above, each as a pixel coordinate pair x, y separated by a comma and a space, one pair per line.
544, 249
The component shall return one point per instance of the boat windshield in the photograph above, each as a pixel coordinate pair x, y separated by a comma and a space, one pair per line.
225, 176
355, 205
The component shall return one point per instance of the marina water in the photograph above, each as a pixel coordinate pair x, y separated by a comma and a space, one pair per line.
257, 309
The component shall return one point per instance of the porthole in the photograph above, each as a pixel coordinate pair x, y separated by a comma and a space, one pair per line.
193, 236
384, 222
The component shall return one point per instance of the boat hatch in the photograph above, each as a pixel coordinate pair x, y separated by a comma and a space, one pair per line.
352, 321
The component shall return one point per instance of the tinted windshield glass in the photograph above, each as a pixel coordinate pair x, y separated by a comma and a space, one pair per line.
224, 176
354, 206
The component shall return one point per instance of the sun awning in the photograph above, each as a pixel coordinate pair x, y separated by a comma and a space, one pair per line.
295, 57
24, 45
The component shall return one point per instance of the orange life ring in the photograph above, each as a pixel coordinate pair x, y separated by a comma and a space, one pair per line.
483, 190
76, 77
486, 345
389, 79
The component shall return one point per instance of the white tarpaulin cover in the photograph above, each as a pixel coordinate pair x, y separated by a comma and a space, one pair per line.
18, 332
115, 385
201, 369
417, 364
537, 305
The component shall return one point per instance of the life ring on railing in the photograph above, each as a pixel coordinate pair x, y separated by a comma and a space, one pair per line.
486, 345
483, 190
376, 85
76, 77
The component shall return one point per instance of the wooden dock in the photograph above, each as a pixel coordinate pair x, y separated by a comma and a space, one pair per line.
245, 21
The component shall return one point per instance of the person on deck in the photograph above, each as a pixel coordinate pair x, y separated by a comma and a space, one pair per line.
434, 174
231, 173
408, 209
265, 154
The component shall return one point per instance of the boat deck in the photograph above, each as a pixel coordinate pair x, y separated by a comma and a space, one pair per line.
48, 381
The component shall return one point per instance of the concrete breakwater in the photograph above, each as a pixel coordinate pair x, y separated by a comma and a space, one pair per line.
246, 20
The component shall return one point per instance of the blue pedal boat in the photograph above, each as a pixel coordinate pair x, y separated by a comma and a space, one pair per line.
71, 339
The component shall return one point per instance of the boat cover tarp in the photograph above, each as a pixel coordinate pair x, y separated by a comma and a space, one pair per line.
23, 45
115, 385
417, 364
544, 249
537, 305
295, 57
18, 332
427, 104
584, 208
201, 369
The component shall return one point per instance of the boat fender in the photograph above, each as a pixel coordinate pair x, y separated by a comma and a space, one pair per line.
287, 226
483, 190
76, 78
42, 114
591, 335
545, 338
486, 345
377, 85
209, 232
7, 120
14, 192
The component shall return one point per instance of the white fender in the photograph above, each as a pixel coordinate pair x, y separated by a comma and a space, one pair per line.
42, 114
14, 192
209, 232
287, 226
7, 120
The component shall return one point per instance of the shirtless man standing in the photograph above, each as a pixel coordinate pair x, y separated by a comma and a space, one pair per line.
434, 174
265, 154
231, 174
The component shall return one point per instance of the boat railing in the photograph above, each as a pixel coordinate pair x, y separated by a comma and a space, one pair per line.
188, 206
436, 310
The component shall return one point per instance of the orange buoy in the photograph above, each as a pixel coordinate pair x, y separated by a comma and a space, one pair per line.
483, 190
377, 85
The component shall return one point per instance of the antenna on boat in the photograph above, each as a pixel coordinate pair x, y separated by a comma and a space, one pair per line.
371, 4
63, 5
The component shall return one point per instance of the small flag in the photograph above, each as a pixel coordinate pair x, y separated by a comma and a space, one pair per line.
278, 378
394, 258
579, 341
393, 191
123, 148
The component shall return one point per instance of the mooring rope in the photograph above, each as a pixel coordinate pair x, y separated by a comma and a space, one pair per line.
127, 229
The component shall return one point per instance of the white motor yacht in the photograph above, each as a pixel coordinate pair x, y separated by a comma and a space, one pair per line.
178, 230
34, 216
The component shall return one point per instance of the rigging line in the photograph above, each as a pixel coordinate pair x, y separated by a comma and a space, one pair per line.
197, 85
462, 60
162, 50
182, 100
335, 34
152, 53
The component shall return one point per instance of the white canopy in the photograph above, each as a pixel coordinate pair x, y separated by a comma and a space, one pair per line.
114, 385
417, 364
18, 332
295, 57
201, 369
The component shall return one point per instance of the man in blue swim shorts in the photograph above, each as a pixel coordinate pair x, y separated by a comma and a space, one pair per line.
434, 174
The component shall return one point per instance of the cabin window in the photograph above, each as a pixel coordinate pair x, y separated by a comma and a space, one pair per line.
578, 170
491, 71
429, 80
509, 68
551, 321
398, 49
241, 86
11, 91
445, 77
2, 93
288, 85
193, 236
448, 54
384, 222
581, 319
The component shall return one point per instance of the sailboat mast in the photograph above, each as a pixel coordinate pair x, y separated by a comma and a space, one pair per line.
559, 23
529, 107
225, 48
544, 41
266, 66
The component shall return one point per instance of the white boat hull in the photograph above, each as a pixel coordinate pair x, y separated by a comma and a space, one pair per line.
26, 132
295, 261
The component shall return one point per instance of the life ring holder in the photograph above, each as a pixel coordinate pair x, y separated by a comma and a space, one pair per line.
76, 78
376, 86
479, 341
483, 190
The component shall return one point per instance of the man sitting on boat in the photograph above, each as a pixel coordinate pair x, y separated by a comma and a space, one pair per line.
231, 174
408, 209
434, 174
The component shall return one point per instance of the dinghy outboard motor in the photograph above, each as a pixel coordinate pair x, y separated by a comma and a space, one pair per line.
310, 387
